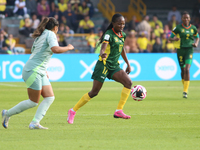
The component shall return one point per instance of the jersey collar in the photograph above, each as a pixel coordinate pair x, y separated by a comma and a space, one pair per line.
117, 34
186, 27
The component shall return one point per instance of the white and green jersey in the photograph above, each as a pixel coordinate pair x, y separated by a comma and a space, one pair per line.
41, 52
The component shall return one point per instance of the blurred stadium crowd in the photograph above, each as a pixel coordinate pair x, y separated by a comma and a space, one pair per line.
75, 17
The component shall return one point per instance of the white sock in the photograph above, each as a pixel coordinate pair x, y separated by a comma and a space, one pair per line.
42, 109
24, 105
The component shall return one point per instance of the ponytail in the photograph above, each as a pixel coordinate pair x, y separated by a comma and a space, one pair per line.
46, 23
101, 38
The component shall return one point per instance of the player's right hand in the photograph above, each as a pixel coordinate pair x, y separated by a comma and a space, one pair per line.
103, 56
194, 44
70, 47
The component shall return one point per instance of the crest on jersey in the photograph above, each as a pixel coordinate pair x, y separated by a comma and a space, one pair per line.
192, 31
190, 56
116, 39
183, 30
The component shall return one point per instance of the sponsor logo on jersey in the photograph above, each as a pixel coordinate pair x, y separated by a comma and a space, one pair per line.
192, 31
187, 31
183, 30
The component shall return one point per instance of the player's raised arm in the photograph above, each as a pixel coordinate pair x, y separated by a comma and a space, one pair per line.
58, 49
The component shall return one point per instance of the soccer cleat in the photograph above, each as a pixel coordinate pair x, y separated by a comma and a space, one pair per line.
36, 126
121, 114
71, 115
184, 95
5, 119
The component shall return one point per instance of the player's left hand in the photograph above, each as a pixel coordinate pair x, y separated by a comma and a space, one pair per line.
194, 44
128, 69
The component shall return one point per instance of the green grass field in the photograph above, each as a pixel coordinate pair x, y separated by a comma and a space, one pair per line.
163, 121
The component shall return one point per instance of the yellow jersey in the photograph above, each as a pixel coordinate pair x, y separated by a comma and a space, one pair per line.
142, 42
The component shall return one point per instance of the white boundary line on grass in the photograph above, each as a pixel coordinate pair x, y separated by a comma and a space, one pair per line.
12, 85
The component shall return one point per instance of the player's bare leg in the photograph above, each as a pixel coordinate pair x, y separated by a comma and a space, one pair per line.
182, 75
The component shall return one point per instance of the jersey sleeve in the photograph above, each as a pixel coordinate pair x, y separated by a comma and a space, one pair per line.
175, 30
196, 35
107, 38
52, 40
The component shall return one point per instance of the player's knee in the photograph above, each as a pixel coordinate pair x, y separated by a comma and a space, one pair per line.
187, 70
49, 99
93, 94
31, 103
128, 83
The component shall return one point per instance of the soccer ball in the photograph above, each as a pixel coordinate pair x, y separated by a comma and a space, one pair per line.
138, 92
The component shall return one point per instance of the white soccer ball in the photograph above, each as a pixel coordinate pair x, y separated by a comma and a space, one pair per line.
138, 92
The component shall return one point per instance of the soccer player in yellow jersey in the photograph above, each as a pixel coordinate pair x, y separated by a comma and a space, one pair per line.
108, 67
186, 32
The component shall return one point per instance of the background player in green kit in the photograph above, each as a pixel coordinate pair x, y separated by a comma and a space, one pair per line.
186, 32
34, 73
107, 66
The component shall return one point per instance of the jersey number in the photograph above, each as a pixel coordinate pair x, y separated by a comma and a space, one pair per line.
187, 36
120, 47
180, 58
105, 70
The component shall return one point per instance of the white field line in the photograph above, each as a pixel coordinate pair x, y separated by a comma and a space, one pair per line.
11, 85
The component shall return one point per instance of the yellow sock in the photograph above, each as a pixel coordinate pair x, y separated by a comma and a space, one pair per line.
84, 99
186, 86
124, 96
183, 81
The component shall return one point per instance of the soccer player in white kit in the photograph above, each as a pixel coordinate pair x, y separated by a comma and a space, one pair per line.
34, 73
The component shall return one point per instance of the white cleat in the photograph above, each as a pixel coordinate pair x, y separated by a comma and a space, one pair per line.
5, 119
184, 95
36, 126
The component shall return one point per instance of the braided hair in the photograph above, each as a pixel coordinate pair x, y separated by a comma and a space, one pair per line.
114, 19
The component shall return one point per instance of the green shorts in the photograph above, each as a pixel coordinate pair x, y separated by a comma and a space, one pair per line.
34, 80
185, 56
101, 72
